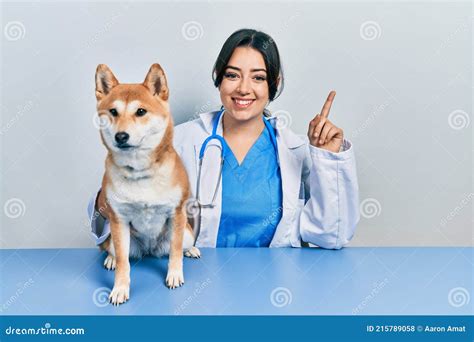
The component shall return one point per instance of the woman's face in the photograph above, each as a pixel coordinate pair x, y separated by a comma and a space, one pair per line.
244, 87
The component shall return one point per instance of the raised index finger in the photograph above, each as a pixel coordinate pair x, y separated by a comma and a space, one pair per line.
327, 104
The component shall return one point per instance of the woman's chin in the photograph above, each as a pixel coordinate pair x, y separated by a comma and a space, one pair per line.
244, 114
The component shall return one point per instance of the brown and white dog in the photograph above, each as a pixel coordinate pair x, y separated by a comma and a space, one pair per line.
145, 185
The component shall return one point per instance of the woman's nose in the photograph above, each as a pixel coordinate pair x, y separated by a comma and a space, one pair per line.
244, 86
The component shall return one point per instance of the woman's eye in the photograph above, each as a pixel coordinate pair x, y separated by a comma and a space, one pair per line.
141, 112
230, 75
113, 111
260, 78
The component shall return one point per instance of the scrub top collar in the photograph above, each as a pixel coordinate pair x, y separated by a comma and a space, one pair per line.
217, 129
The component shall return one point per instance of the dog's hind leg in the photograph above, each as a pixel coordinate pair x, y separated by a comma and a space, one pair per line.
188, 243
108, 246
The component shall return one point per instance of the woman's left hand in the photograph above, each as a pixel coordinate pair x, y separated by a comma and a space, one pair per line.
323, 133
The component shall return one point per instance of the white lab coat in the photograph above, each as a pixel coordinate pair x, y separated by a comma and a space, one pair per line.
320, 188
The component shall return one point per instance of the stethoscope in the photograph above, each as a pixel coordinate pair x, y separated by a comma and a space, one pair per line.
224, 152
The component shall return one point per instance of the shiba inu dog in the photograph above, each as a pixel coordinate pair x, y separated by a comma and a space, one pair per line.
145, 185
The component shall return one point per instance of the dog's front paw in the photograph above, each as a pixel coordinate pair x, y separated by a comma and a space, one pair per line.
109, 262
175, 278
192, 252
119, 295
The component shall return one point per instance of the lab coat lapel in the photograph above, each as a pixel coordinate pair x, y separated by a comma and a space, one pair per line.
210, 217
290, 170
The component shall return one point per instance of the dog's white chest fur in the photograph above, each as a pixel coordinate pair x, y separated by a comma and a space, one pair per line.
145, 199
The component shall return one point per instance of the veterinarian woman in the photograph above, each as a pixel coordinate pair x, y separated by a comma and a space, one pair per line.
274, 188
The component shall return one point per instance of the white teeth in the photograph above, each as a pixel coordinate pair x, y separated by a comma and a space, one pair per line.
243, 103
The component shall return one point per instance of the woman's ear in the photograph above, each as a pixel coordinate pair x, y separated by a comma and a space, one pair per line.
278, 81
156, 82
104, 81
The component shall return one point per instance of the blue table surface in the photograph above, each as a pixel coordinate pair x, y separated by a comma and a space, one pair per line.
256, 281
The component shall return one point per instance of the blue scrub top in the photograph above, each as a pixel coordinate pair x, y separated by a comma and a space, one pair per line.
251, 196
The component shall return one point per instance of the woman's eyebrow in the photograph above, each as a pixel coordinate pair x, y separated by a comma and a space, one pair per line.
238, 69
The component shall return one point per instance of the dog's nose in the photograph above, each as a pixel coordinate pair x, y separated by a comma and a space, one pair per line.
121, 137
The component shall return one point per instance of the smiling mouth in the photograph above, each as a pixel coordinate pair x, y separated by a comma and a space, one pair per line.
242, 103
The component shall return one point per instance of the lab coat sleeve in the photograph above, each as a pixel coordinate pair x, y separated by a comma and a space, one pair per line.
331, 212
99, 225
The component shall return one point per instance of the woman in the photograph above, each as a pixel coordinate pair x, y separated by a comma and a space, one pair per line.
274, 188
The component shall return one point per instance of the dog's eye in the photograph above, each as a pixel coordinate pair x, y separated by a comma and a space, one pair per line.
113, 111
141, 112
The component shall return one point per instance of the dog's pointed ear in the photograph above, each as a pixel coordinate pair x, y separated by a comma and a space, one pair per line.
156, 82
104, 81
